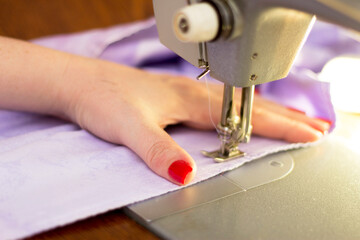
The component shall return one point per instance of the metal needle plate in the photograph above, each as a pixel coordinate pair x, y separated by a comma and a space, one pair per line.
250, 175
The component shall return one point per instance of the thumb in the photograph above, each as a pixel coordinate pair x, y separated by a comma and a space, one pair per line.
161, 153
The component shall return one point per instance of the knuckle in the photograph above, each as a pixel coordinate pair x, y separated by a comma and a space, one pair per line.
289, 131
157, 154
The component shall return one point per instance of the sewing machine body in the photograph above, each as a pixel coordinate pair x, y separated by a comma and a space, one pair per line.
261, 49
243, 43
269, 34
310, 193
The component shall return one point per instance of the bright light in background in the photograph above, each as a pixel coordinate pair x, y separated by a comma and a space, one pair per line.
344, 75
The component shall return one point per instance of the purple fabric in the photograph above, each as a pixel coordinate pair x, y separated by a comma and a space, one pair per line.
53, 173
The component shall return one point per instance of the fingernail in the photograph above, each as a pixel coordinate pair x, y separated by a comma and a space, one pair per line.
296, 110
324, 131
178, 170
325, 120
319, 134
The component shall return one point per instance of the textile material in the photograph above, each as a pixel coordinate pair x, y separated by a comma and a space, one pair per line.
53, 173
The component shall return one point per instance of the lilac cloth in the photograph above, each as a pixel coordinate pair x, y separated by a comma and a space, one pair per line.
53, 173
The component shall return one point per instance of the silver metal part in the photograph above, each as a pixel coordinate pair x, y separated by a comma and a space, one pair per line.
231, 19
257, 43
203, 74
250, 175
219, 157
247, 98
203, 60
273, 29
276, 34
233, 129
319, 199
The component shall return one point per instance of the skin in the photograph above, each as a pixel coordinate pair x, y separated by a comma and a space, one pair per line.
119, 103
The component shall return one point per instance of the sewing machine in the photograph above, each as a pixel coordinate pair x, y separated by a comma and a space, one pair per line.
243, 43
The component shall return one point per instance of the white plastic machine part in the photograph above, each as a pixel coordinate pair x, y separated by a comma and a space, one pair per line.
196, 23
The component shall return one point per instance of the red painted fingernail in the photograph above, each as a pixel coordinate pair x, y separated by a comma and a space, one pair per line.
296, 110
178, 170
325, 120
323, 131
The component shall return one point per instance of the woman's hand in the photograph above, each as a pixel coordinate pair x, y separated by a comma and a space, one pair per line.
127, 106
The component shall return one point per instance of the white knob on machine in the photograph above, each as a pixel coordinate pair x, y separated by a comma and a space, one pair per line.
196, 23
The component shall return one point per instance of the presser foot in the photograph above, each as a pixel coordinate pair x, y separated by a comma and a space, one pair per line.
219, 157
233, 129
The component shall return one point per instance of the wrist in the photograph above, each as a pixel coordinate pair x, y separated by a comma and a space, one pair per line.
76, 85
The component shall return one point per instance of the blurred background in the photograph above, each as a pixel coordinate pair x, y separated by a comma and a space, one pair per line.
27, 19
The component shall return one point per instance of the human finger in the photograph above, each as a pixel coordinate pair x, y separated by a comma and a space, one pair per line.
273, 125
294, 113
319, 124
160, 152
